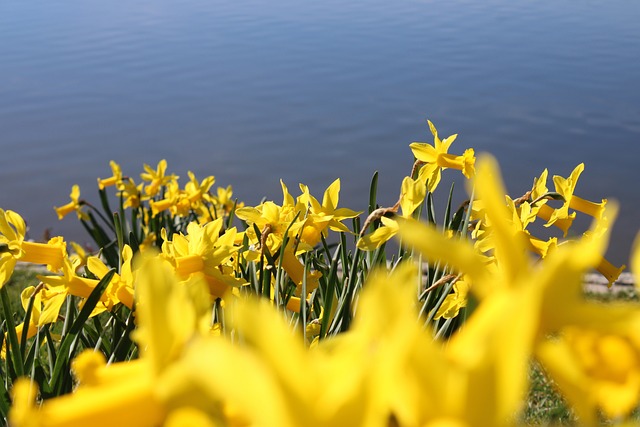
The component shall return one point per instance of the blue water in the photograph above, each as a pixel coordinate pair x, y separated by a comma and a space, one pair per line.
307, 91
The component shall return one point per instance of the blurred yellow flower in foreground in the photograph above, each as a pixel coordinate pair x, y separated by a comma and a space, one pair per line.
594, 350
127, 393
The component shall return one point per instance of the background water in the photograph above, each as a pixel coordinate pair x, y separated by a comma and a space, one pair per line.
307, 91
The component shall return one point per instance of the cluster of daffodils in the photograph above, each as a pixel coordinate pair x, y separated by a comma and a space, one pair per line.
183, 318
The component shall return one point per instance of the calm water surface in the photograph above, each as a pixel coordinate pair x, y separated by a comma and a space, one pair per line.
308, 91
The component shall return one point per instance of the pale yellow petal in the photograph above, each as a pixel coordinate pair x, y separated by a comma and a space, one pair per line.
331, 196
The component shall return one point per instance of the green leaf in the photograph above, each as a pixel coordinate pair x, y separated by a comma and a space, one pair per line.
124, 344
13, 346
25, 322
60, 376
5, 401
329, 292
104, 200
231, 214
373, 191
447, 211
431, 212
52, 354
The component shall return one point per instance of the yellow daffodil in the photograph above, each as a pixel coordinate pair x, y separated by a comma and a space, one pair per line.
12, 231
130, 402
79, 256
69, 282
114, 179
284, 385
563, 220
121, 284
609, 271
119, 289
412, 194
312, 219
45, 309
455, 301
546, 212
542, 209
14, 247
413, 191
195, 190
223, 203
522, 216
74, 205
295, 270
156, 178
131, 193
52, 253
566, 188
274, 221
437, 158
539, 188
327, 214
181, 202
204, 250
596, 369
174, 200
540, 299
128, 393
381, 235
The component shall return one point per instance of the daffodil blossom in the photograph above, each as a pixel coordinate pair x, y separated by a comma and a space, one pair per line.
437, 158
563, 220
195, 190
131, 193
379, 236
274, 221
550, 296
128, 393
45, 308
74, 205
58, 287
223, 201
452, 304
596, 369
412, 194
203, 250
114, 179
543, 210
182, 201
595, 359
174, 200
327, 214
566, 187
156, 178
79, 256
14, 247
120, 284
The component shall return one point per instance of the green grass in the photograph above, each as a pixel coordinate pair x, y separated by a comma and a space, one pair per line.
544, 404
